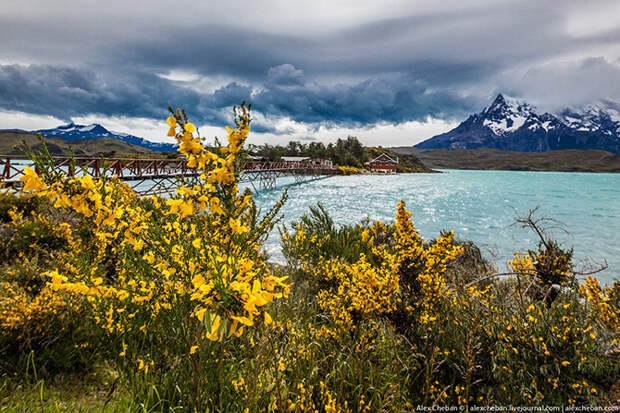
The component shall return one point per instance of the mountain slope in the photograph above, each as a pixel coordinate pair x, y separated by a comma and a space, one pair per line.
511, 125
72, 132
10, 141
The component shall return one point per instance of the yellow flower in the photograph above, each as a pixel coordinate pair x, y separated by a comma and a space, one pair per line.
122, 353
31, 180
173, 123
268, 319
193, 349
566, 363
190, 128
149, 257
243, 320
213, 335
187, 208
200, 314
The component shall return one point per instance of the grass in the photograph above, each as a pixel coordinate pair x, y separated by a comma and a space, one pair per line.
92, 391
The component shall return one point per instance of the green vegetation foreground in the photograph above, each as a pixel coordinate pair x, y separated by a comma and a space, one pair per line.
110, 301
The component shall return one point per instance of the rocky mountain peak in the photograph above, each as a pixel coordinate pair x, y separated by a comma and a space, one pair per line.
512, 124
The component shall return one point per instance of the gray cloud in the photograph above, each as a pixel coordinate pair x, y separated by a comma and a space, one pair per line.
557, 86
285, 75
65, 93
389, 62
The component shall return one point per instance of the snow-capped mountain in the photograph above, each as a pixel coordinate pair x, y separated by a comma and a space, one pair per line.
72, 132
510, 124
604, 117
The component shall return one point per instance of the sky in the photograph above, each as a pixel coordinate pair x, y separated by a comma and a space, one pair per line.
391, 72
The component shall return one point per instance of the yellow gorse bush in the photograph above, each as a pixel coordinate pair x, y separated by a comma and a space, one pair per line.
396, 272
605, 301
349, 170
147, 265
360, 289
19, 310
28, 306
422, 266
205, 251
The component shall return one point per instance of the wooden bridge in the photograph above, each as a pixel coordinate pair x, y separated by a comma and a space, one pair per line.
154, 176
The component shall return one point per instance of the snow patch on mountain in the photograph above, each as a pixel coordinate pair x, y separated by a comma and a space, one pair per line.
87, 128
506, 115
505, 126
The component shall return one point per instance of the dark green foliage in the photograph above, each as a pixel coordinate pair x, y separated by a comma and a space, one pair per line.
470, 265
325, 239
25, 203
345, 152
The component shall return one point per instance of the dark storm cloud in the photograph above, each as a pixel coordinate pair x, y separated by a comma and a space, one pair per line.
67, 92
389, 98
414, 62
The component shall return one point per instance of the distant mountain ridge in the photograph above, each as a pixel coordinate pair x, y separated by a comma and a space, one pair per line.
73, 132
13, 142
513, 125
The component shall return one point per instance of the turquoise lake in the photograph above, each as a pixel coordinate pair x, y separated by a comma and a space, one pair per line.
477, 205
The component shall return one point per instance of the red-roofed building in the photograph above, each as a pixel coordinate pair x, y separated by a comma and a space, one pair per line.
383, 163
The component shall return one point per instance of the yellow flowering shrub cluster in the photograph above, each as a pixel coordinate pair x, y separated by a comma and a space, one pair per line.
544, 352
199, 244
605, 301
359, 289
470, 339
422, 266
176, 296
175, 273
394, 270
35, 318
550, 264
349, 170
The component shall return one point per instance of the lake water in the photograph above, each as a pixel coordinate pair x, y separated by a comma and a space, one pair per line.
477, 205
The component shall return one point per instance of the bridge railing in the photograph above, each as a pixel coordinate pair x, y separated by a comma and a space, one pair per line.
155, 171
12, 167
287, 165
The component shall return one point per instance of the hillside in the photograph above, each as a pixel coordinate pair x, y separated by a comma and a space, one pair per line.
570, 160
73, 133
10, 140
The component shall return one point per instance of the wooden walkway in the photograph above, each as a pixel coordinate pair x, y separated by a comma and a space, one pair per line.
153, 176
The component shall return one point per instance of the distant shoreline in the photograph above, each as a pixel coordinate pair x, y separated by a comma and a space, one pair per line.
568, 160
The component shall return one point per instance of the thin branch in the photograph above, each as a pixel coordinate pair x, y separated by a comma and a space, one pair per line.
602, 267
